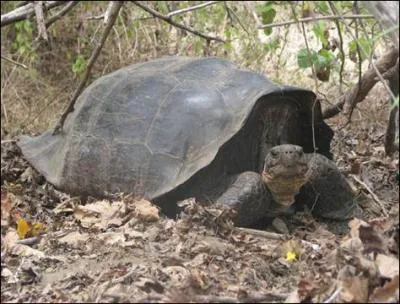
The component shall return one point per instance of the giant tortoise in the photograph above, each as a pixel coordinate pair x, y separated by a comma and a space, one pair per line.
182, 127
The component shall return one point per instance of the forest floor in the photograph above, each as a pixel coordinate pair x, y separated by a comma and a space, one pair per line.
55, 248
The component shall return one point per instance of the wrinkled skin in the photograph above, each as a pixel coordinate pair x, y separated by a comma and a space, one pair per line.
290, 177
285, 172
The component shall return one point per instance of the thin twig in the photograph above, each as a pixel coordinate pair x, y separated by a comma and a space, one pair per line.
364, 29
374, 196
99, 17
115, 7
308, 19
191, 8
14, 62
232, 14
26, 11
250, 6
341, 51
61, 13
170, 21
303, 31
359, 69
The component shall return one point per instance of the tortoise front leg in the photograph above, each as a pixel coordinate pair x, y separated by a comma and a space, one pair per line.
248, 195
327, 193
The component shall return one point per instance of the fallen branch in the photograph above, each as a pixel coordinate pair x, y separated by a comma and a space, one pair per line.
249, 298
14, 62
112, 11
374, 196
178, 25
358, 94
261, 233
41, 27
61, 13
26, 11
308, 19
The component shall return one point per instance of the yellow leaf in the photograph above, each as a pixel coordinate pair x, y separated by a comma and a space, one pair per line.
23, 228
26, 229
291, 256
36, 229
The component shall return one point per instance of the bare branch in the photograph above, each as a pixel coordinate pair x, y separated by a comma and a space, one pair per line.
42, 32
351, 102
61, 13
368, 81
14, 62
24, 12
308, 19
191, 8
109, 12
170, 21
112, 11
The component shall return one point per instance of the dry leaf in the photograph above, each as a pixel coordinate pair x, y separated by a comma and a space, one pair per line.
100, 214
145, 211
388, 266
7, 203
388, 293
112, 238
354, 225
74, 238
305, 288
355, 290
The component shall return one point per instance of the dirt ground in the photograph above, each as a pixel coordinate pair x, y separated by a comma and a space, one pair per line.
55, 248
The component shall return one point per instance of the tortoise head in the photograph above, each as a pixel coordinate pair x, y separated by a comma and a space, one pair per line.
285, 172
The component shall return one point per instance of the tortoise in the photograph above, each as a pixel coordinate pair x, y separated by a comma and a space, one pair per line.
180, 127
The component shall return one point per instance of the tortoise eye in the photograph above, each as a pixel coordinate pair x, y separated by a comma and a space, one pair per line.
274, 153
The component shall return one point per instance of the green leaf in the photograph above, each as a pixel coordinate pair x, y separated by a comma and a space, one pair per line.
303, 58
322, 6
319, 30
268, 14
228, 33
324, 58
161, 6
365, 48
79, 65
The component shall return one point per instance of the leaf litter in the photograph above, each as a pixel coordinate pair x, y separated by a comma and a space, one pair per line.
124, 250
